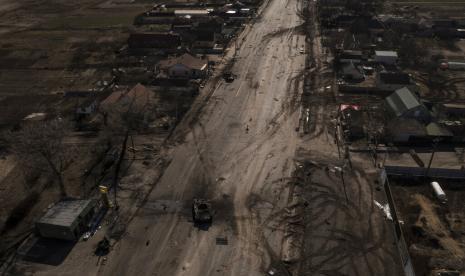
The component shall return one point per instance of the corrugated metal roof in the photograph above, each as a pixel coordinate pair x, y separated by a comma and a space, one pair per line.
433, 172
454, 106
401, 101
64, 213
386, 53
187, 12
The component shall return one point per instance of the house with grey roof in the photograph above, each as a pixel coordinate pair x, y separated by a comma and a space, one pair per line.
403, 103
386, 57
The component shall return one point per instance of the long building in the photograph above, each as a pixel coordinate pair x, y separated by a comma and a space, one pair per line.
66, 220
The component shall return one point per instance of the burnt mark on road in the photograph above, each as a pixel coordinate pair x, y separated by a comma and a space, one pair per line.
223, 212
201, 186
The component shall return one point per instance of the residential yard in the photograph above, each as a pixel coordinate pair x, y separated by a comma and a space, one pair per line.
47, 48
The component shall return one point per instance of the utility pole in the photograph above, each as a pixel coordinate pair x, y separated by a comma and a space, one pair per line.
435, 144
347, 155
344, 185
133, 149
235, 48
176, 113
118, 167
341, 171
336, 137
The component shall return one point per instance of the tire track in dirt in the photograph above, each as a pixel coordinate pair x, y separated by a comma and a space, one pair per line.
340, 235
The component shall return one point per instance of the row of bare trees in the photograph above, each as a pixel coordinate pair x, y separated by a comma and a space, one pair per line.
49, 146
41, 147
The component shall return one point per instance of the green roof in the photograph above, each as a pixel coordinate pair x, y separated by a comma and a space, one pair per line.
401, 101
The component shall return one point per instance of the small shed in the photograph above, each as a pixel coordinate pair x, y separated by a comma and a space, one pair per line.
435, 130
386, 57
66, 220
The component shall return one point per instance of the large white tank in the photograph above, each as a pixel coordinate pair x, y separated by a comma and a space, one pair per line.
438, 192
453, 65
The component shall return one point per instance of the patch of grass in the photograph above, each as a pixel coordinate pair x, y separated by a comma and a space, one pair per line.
20, 211
91, 21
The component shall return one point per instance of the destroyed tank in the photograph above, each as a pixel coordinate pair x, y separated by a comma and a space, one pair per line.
201, 211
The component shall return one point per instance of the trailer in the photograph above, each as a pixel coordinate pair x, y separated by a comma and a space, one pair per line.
452, 65
438, 192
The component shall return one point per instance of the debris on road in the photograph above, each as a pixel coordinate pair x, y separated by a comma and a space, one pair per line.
385, 208
222, 241
103, 247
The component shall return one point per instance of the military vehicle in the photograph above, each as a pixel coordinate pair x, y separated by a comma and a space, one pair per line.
228, 77
201, 211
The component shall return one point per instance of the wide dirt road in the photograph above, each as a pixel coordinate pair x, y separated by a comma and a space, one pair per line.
240, 171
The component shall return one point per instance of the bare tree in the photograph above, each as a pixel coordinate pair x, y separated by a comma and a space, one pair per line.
41, 146
131, 113
128, 116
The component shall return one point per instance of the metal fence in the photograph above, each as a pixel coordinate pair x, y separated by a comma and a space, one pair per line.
400, 241
411, 172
